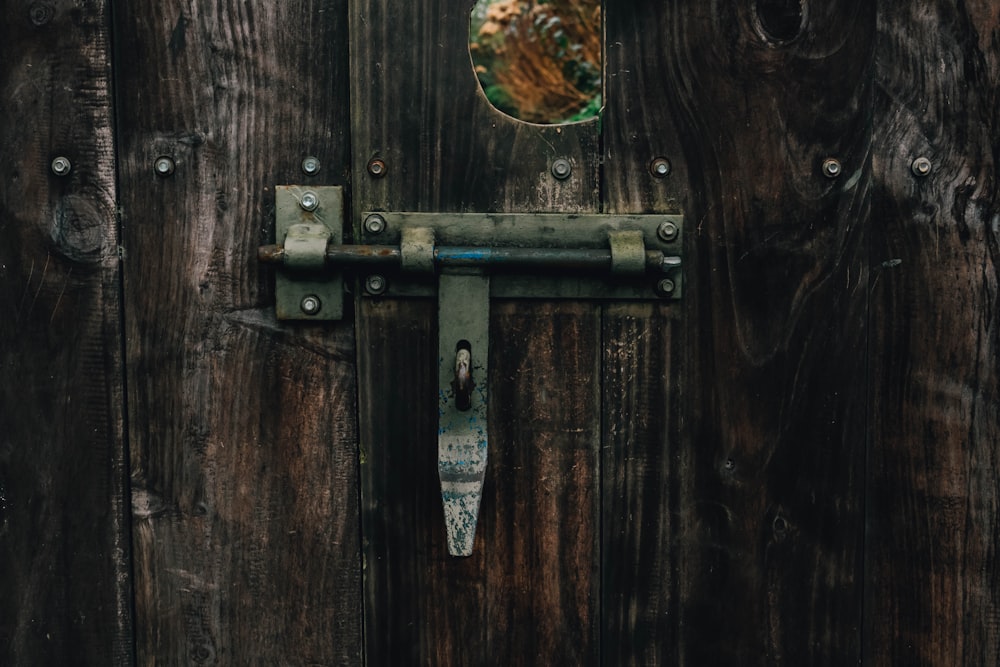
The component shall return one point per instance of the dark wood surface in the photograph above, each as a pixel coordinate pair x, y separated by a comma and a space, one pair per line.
795, 464
933, 483
243, 430
529, 592
734, 428
64, 569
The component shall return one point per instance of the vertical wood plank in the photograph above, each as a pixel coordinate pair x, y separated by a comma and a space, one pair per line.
64, 554
734, 434
934, 593
243, 429
417, 106
541, 532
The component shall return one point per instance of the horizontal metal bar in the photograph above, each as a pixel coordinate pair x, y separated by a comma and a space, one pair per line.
477, 257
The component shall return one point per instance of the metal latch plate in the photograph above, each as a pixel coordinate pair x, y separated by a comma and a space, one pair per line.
309, 294
536, 230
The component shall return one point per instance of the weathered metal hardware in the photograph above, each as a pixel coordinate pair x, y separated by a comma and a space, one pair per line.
921, 166
164, 166
307, 221
310, 165
562, 168
465, 260
61, 166
660, 167
552, 256
831, 167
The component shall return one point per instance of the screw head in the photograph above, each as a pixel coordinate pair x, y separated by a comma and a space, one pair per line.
310, 165
375, 224
377, 167
666, 287
61, 166
40, 13
831, 167
164, 166
561, 169
667, 231
309, 201
921, 166
311, 304
375, 285
660, 167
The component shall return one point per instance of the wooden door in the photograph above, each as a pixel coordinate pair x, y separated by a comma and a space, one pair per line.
663, 477
794, 464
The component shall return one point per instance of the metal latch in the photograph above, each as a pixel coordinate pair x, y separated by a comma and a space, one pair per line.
465, 259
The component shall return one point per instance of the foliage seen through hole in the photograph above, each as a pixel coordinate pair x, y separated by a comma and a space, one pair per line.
539, 61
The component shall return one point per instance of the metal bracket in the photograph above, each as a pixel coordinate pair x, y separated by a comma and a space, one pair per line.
307, 222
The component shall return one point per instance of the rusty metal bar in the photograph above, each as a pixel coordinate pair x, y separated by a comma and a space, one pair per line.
491, 259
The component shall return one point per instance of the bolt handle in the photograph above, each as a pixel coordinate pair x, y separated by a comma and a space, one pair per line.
463, 384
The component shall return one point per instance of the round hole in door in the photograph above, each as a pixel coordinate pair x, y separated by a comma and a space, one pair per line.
540, 60
780, 20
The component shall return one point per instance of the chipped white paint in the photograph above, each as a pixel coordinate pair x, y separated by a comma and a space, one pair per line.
463, 315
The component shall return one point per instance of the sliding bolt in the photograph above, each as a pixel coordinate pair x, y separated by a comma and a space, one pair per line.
375, 224
831, 167
61, 166
377, 167
310, 304
163, 166
309, 201
375, 285
310, 166
660, 167
921, 166
561, 169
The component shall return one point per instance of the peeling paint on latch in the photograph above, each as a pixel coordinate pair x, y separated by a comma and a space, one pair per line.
462, 426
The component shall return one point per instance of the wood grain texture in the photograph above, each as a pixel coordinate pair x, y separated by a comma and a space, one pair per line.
541, 524
243, 429
529, 591
734, 424
64, 569
933, 534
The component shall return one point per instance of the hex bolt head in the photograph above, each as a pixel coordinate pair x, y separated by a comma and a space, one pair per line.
667, 231
375, 224
831, 167
921, 166
377, 167
164, 166
660, 167
311, 304
311, 165
309, 201
665, 287
375, 285
61, 166
561, 169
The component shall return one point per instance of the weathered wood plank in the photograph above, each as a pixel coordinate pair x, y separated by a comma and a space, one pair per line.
932, 562
64, 588
734, 426
541, 524
417, 106
243, 430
